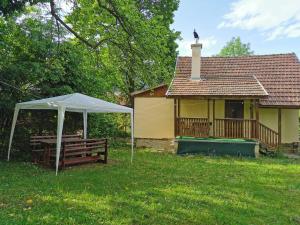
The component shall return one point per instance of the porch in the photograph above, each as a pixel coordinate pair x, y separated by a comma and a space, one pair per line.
216, 120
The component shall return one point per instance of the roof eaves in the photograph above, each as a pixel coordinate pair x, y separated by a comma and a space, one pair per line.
296, 57
260, 85
215, 96
145, 90
171, 84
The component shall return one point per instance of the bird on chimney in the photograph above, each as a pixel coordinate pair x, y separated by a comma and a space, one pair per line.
196, 36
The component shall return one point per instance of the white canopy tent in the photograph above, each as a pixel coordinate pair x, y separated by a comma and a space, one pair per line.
73, 103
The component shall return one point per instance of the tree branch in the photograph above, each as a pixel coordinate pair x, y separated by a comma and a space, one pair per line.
114, 12
79, 37
58, 34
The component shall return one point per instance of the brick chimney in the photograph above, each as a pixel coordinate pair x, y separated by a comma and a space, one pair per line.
196, 61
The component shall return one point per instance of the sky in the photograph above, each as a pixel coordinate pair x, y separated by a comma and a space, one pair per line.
270, 26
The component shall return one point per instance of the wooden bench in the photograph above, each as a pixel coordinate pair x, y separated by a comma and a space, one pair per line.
82, 151
37, 148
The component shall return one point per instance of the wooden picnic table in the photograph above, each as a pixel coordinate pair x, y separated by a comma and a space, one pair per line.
53, 141
48, 143
75, 151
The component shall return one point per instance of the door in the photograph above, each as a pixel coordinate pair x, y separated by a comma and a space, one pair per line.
234, 115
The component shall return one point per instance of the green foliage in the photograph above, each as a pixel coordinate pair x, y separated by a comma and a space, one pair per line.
35, 66
156, 188
8, 7
39, 58
235, 47
142, 54
109, 125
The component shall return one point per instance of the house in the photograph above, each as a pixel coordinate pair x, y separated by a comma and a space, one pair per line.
248, 97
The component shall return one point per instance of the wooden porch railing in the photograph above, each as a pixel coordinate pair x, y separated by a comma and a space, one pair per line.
227, 128
246, 128
195, 127
268, 136
235, 128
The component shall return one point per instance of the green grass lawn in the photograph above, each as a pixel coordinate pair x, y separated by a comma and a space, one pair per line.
157, 188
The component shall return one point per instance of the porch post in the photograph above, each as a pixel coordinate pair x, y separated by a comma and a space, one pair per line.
175, 117
251, 109
257, 118
214, 117
208, 116
252, 125
279, 126
178, 107
208, 111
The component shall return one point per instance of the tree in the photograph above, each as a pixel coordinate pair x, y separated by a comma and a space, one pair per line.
117, 47
8, 7
34, 65
131, 38
103, 48
235, 48
135, 35
138, 43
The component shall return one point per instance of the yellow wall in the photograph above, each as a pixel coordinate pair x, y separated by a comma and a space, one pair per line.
290, 125
247, 105
289, 122
153, 117
193, 108
219, 109
198, 108
269, 117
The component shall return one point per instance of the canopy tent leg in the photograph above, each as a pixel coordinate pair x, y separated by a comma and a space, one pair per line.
85, 124
60, 124
12, 130
132, 135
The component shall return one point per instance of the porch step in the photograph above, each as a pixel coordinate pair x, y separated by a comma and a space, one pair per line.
266, 150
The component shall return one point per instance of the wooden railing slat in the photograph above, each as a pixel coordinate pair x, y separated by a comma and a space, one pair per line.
268, 136
197, 127
228, 128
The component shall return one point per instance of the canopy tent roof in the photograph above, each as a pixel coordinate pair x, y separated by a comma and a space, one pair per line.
75, 103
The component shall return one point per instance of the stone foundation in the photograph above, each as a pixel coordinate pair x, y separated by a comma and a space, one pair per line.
159, 144
170, 145
290, 147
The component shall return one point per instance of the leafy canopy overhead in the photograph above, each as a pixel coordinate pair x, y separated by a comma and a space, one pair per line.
102, 48
133, 38
7, 7
136, 35
235, 47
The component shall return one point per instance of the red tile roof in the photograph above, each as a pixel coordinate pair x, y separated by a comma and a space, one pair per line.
276, 78
158, 91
